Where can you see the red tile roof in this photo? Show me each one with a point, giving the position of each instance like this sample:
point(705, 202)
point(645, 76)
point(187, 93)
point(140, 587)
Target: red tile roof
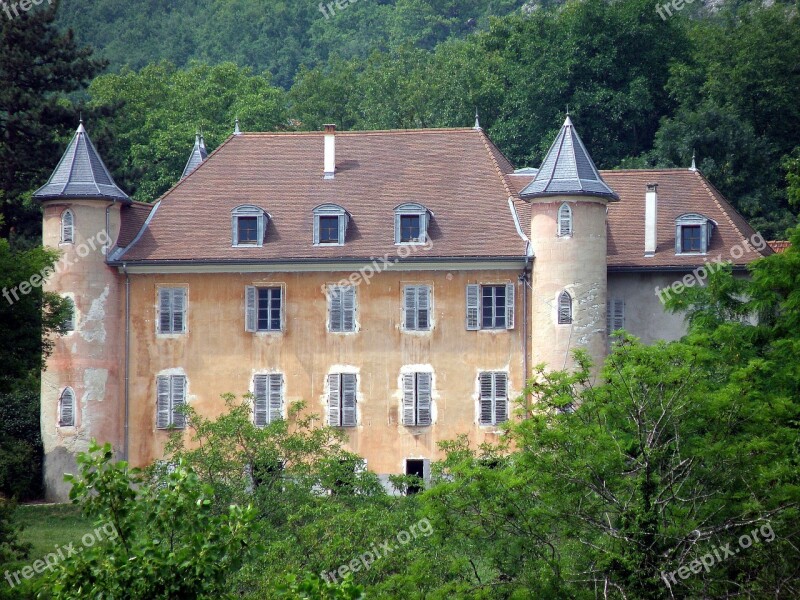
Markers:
point(133, 217)
point(779, 246)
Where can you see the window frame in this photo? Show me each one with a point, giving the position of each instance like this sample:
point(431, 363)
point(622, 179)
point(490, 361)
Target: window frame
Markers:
point(262, 221)
point(490, 401)
point(331, 210)
point(71, 323)
point(273, 398)
point(416, 298)
point(565, 217)
point(706, 232)
point(167, 384)
point(475, 306)
point(64, 227)
point(565, 309)
point(171, 291)
point(411, 209)
point(333, 290)
point(417, 399)
point(67, 391)
point(252, 307)
point(339, 414)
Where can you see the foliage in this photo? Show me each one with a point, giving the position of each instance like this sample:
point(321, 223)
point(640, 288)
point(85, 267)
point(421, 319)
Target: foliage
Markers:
point(312, 587)
point(11, 547)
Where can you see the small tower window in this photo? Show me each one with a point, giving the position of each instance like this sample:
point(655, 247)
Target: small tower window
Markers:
point(69, 320)
point(66, 408)
point(330, 225)
point(411, 224)
point(67, 227)
point(693, 234)
point(564, 308)
point(564, 220)
point(249, 224)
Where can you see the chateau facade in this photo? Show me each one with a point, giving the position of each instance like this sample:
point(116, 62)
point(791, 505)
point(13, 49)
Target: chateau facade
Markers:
point(402, 283)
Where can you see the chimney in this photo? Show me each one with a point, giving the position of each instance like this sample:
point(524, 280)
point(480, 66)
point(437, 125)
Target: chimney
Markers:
point(330, 151)
point(650, 219)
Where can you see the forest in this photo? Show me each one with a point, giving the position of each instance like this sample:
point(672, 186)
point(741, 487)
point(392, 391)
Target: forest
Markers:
point(584, 506)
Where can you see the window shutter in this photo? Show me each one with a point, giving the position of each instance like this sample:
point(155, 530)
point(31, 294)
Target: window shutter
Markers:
point(473, 306)
point(234, 230)
point(564, 308)
point(408, 399)
point(677, 239)
point(262, 228)
point(509, 306)
point(410, 307)
point(619, 314)
point(275, 397)
point(67, 409)
point(316, 229)
point(423, 307)
point(335, 308)
point(342, 228)
point(348, 308)
point(69, 322)
point(67, 227)
point(164, 310)
point(486, 393)
point(500, 397)
point(334, 406)
point(162, 402)
point(564, 220)
point(396, 228)
point(250, 308)
point(423, 398)
point(423, 227)
point(178, 310)
point(178, 399)
point(260, 401)
point(348, 399)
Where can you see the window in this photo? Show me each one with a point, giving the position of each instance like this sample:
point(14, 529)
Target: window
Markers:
point(249, 224)
point(615, 314)
point(171, 394)
point(411, 224)
point(172, 310)
point(67, 227)
point(69, 320)
point(416, 399)
point(693, 234)
point(417, 307)
point(493, 397)
point(490, 306)
point(341, 308)
point(564, 308)
point(564, 220)
point(342, 399)
point(66, 408)
point(419, 468)
point(263, 308)
point(330, 225)
point(268, 399)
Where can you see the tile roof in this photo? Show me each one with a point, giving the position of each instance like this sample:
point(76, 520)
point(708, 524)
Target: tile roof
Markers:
point(779, 246)
point(80, 174)
point(133, 218)
point(457, 174)
point(567, 169)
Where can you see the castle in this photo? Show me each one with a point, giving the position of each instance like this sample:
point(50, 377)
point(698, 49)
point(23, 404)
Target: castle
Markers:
point(402, 283)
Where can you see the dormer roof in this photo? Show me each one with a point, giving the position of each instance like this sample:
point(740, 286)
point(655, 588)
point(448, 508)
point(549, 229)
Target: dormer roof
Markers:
point(81, 174)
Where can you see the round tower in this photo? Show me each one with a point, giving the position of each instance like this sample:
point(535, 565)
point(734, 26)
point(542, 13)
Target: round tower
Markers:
point(568, 234)
point(81, 384)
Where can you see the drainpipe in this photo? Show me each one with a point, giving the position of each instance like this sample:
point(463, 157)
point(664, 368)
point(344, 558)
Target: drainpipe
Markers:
point(127, 352)
point(107, 244)
point(523, 277)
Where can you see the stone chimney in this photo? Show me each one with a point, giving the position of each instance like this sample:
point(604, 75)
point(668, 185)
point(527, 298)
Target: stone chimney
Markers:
point(330, 151)
point(650, 219)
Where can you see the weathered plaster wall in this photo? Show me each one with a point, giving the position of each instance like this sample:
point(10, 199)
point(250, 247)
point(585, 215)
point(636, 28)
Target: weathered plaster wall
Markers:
point(88, 359)
point(218, 356)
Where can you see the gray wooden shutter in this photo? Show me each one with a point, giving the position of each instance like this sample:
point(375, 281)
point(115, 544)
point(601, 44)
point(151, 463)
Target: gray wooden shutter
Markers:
point(423, 227)
point(410, 307)
point(396, 228)
point(178, 310)
point(335, 316)
point(500, 397)
point(69, 322)
point(349, 308)
point(486, 395)
point(473, 306)
point(509, 306)
point(342, 228)
point(348, 399)
point(67, 227)
point(678, 240)
point(178, 399)
point(275, 397)
point(316, 229)
point(615, 317)
point(67, 408)
point(423, 398)
point(234, 230)
point(564, 220)
point(334, 400)
point(564, 308)
point(260, 401)
point(162, 402)
point(423, 307)
point(408, 399)
point(262, 229)
point(250, 308)
point(164, 310)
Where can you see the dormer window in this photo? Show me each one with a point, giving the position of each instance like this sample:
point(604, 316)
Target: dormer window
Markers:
point(564, 221)
point(330, 225)
point(411, 224)
point(693, 234)
point(67, 227)
point(249, 224)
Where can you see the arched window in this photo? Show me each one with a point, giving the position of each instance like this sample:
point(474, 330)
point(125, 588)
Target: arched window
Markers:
point(67, 227)
point(564, 220)
point(564, 308)
point(693, 234)
point(249, 225)
point(69, 320)
point(66, 408)
point(330, 224)
point(411, 223)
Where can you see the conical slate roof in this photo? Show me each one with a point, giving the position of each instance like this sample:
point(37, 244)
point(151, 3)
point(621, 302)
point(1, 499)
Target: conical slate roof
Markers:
point(568, 170)
point(81, 174)
point(197, 156)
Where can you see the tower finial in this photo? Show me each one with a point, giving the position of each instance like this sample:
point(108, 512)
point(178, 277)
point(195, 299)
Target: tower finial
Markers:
point(477, 120)
point(694, 165)
point(236, 130)
point(567, 110)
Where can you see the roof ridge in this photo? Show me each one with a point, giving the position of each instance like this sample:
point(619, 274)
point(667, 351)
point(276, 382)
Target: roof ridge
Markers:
point(427, 130)
point(715, 195)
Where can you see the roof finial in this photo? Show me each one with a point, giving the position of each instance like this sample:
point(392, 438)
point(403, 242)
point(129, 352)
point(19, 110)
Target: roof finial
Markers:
point(477, 120)
point(694, 165)
point(236, 130)
point(80, 117)
point(567, 109)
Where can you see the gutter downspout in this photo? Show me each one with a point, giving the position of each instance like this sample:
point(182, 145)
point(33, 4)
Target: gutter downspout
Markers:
point(127, 354)
point(523, 277)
